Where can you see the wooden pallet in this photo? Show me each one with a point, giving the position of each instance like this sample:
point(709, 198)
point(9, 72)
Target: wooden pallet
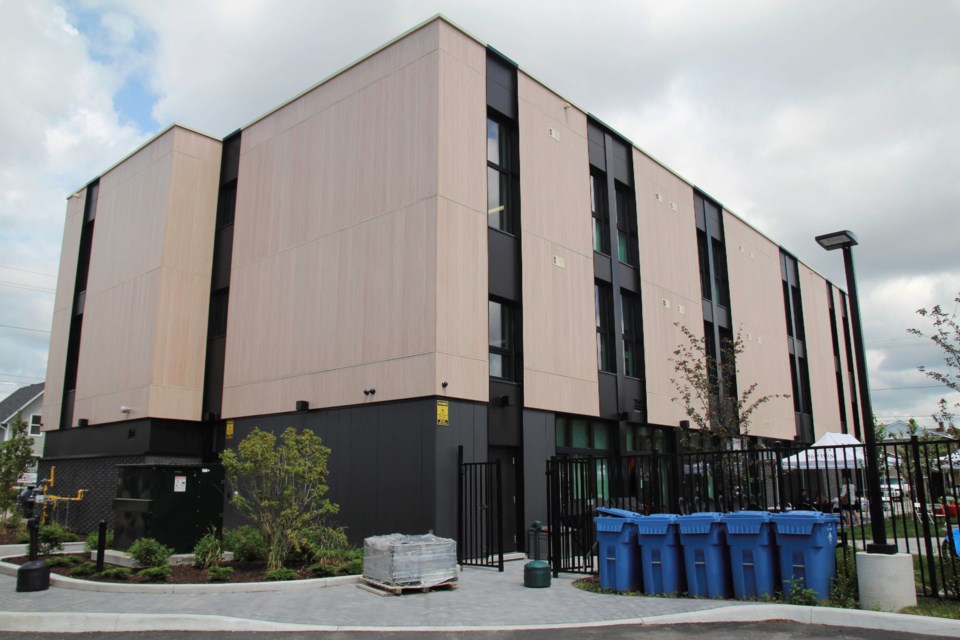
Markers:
point(384, 588)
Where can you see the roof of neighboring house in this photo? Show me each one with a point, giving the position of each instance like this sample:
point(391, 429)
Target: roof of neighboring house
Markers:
point(16, 401)
point(901, 430)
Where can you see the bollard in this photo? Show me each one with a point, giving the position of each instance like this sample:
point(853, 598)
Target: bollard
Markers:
point(101, 545)
point(536, 573)
point(35, 574)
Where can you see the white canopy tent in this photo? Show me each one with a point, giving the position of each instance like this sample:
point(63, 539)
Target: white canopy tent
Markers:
point(832, 451)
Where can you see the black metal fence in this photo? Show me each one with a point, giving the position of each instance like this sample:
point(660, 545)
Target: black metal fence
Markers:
point(920, 492)
point(480, 514)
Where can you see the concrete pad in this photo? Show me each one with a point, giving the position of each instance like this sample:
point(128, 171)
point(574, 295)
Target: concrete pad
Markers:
point(886, 582)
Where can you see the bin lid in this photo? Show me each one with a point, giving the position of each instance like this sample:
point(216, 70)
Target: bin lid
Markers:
point(802, 522)
point(746, 522)
point(619, 513)
point(657, 524)
point(612, 525)
point(699, 522)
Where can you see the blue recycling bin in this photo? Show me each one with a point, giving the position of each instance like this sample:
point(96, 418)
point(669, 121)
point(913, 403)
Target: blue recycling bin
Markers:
point(617, 549)
point(661, 555)
point(752, 541)
point(707, 562)
point(807, 542)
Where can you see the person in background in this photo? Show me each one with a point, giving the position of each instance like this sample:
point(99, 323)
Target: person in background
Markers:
point(848, 500)
point(804, 503)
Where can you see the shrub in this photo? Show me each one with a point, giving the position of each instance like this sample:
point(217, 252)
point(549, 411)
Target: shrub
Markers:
point(351, 568)
point(93, 539)
point(219, 574)
point(113, 573)
point(324, 545)
point(246, 543)
point(208, 551)
point(155, 574)
point(282, 573)
point(150, 553)
point(51, 538)
point(83, 569)
point(845, 592)
point(800, 594)
point(322, 570)
point(63, 561)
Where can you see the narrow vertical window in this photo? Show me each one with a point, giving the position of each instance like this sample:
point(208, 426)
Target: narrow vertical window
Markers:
point(601, 215)
point(628, 251)
point(721, 279)
point(499, 211)
point(502, 340)
point(704, 255)
point(632, 347)
point(603, 310)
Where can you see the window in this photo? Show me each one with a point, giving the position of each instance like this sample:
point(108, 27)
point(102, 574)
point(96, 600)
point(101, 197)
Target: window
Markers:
point(704, 256)
point(720, 277)
point(601, 215)
point(36, 422)
point(603, 310)
point(499, 210)
point(632, 344)
point(582, 433)
point(627, 241)
point(502, 319)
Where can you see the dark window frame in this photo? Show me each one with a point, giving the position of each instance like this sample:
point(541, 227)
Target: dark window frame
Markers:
point(603, 316)
point(631, 333)
point(507, 348)
point(627, 233)
point(600, 212)
point(504, 168)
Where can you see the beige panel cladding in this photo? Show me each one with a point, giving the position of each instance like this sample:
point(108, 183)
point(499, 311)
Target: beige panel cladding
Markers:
point(145, 316)
point(670, 278)
point(371, 153)
point(62, 311)
point(819, 345)
point(559, 333)
point(461, 272)
point(756, 298)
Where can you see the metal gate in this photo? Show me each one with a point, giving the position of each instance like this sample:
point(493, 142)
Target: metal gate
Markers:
point(571, 502)
point(480, 514)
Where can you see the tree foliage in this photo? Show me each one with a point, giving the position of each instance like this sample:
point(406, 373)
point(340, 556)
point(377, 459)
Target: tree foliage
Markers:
point(16, 452)
point(727, 415)
point(280, 487)
point(945, 333)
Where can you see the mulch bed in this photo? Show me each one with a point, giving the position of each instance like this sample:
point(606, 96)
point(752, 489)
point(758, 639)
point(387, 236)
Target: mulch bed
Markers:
point(181, 574)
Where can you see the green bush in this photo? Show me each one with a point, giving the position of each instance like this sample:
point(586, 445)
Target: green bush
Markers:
point(323, 544)
point(83, 569)
point(63, 561)
point(845, 592)
point(113, 573)
point(208, 551)
point(150, 553)
point(51, 538)
point(155, 574)
point(323, 570)
point(352, 568)
point(246, 543)
point(219, 574)
point(282, 573)
point(93, 539)
point(800, 594)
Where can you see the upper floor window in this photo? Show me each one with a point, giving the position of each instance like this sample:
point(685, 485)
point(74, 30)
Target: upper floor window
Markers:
point(502, 331)
point(632, 342)
point(500, 214)
point(600, 213)
point(36, 422)
point(603, 310)
point(628, 251)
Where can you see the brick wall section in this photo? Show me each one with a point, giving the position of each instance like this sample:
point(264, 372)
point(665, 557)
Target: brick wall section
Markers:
point(99, 477)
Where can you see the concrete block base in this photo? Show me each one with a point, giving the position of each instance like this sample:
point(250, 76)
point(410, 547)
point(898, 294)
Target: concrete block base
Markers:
point(886, 582)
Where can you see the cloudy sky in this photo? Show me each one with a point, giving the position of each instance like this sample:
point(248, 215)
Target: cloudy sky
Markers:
point(801, 117)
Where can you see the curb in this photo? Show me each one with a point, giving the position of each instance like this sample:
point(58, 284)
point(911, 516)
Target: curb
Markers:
point(65, 582)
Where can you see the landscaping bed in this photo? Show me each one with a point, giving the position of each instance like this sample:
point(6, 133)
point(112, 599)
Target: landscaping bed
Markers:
point(182, 573)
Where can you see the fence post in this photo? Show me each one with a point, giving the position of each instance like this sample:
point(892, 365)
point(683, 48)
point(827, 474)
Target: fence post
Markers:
point(924, 515)
point(499, 492)
point(460, 514)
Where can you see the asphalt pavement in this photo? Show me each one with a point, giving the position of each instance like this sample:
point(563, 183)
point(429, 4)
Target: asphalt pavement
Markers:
point(486, 601)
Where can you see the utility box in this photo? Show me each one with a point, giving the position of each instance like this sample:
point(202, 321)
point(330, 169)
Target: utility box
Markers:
point(174, 504)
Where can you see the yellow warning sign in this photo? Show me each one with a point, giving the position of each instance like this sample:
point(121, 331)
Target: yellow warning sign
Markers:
point(443, 413)
point(229, 429)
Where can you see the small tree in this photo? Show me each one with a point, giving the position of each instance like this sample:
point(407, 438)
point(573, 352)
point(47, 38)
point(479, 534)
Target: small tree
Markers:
point(707, 393)
point(946, 335)
point(16, 452)
point(280, 487)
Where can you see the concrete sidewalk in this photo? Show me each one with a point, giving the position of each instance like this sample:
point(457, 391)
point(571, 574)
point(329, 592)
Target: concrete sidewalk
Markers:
point(486, 600)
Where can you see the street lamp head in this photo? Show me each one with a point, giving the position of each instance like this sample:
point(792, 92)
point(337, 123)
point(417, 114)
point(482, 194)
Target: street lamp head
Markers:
point(837, 240)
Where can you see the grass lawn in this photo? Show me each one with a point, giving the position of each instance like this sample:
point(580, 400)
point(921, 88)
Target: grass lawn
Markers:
point(935, 608)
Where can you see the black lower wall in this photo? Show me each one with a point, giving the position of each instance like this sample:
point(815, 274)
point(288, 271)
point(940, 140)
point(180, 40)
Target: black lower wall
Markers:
point(392, 468)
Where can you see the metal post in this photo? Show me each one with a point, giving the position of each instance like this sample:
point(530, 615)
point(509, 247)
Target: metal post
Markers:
point(879, 532)
point(33, 524)
point(101, 545)
point(924, 514)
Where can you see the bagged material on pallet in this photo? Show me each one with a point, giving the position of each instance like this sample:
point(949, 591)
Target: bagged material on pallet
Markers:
point(410, 561)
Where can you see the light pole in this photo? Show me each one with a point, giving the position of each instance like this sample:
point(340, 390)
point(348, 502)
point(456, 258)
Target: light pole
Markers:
point(846, 240)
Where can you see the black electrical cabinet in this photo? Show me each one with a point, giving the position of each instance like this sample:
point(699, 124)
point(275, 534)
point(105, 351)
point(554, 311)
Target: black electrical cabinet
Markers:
point(174, 504)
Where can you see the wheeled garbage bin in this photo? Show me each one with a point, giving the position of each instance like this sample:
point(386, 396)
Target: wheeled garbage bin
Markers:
point(661, 555)
point(752, 541)
point(807, 542)
point(617, 549)
point(706, 560)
